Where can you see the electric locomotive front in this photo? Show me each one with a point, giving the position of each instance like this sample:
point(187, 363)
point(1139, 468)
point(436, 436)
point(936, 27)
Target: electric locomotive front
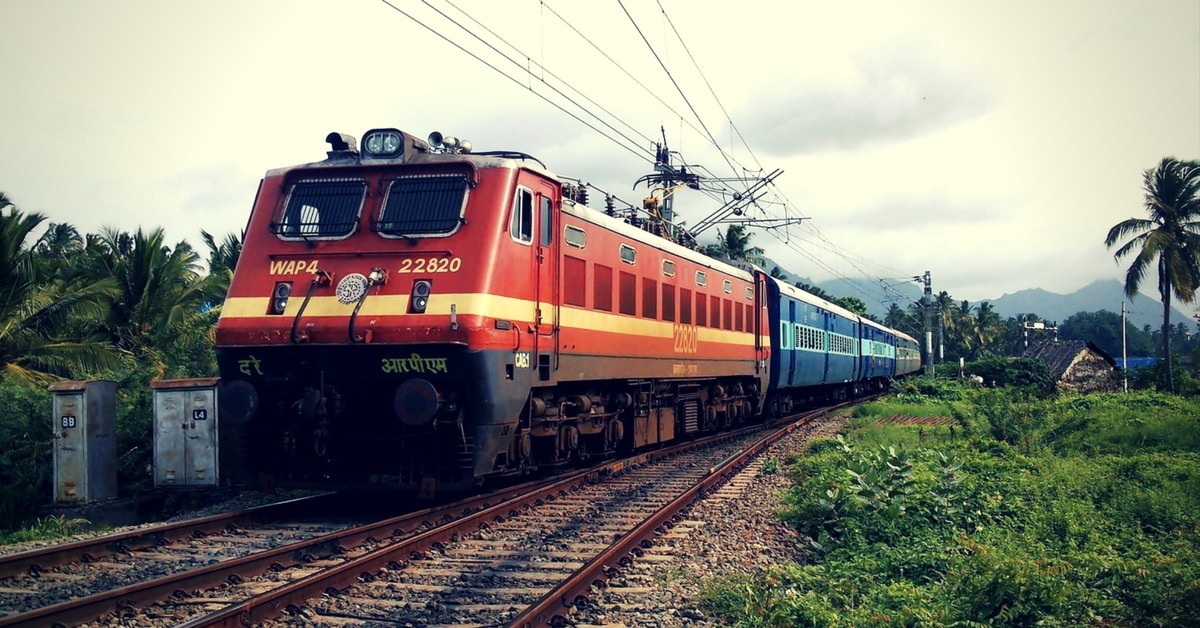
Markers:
point(371, 327)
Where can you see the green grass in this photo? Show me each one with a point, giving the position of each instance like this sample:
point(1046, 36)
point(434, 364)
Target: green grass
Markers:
point(47, 529)
point(1080, 512)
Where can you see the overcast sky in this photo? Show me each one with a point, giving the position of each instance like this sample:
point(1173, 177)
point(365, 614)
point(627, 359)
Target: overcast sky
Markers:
point(991, 143)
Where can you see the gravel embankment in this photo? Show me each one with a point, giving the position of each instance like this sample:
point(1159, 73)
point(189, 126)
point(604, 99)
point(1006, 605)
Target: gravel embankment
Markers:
point(734, 531)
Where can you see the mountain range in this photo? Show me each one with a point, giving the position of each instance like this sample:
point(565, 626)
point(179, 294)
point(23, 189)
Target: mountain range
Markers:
point(1102, 294)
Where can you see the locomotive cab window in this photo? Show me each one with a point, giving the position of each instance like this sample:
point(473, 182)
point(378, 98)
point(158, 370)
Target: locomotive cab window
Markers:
point(423, 206)
point(521, 226)
point(547, 229)
point(324, 209)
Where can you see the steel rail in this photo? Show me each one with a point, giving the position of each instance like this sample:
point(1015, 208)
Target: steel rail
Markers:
point(547, 611)
point(87, 550)
point(291, 597)
point(94, 606)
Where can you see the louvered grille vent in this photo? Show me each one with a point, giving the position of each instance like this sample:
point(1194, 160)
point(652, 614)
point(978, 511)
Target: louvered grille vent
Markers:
point(691, 416)
point(423, 206)
point(322, 209)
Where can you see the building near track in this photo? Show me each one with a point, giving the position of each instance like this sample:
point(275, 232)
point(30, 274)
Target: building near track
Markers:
point(1077, 366)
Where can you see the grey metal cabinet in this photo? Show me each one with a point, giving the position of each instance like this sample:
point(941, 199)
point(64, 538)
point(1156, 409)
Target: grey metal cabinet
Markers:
point(85, 419)
point(186, 447)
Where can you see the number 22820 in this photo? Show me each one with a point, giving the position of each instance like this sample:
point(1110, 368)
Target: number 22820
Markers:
point(430, 265)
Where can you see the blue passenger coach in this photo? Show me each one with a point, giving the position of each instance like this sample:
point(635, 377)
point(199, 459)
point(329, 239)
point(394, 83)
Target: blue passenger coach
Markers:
point(822, 351)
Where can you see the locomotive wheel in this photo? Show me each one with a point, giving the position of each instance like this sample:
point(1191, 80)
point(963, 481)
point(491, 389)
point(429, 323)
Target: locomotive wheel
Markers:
point(614, 434)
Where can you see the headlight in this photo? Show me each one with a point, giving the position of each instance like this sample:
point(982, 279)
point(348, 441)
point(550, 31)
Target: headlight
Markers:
point(383, 143)
point(279, 297)
point(421, 290)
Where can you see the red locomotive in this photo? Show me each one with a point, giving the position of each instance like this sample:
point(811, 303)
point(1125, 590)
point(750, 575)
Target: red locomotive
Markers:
point(416, 315)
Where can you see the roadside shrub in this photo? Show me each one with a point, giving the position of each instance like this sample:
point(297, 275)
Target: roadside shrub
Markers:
point(25, 454)
point(1030, 373)
point(1078, 512)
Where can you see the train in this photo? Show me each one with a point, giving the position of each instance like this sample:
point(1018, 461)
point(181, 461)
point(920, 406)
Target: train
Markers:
point(419, 316)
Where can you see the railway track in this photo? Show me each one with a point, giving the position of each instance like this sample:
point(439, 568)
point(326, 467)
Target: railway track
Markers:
point(523, 556)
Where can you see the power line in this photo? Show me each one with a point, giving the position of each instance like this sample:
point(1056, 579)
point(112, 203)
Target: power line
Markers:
point(707, 84)
point(677, 87)
point(556, 105)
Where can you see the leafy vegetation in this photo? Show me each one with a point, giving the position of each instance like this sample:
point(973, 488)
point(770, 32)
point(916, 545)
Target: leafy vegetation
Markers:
point(1167, 241)
point(113, 305)
point(1072, 511)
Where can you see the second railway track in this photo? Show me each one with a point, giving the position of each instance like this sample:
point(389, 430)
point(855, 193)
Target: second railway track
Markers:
point(519, 556)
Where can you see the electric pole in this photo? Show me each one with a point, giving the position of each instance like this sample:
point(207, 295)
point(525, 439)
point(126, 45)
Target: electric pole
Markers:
point(1124, 353)
point(927, 303)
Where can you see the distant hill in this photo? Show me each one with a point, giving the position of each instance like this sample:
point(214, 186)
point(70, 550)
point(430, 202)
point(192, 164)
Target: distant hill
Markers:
point(1103, 294)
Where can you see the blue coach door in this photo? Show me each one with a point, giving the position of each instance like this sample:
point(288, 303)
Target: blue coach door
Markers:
point(827, 326)
point(790, 334)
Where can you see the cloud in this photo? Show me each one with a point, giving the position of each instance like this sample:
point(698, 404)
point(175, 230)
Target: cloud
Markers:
point(892, 94)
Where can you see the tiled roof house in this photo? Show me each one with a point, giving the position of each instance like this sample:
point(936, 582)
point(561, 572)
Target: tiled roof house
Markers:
point(1077, 366)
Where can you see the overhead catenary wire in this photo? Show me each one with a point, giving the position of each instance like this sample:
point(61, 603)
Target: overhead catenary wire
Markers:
point(704, 78)
point(632, 147)
point(761, 201)
point(679, 89)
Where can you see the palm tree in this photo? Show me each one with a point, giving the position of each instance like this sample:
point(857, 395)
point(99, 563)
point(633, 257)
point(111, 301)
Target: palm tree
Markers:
point(735, 244)
point(896, 318)
point(987, 329)
point(222, 260)
point(41, 336)
point(1171, 235)
point(159, 287)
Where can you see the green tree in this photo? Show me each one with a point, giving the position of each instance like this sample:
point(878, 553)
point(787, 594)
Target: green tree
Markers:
point(1168, 241)
point(734, 244)
point(222, 261)
point(159, 287)
point(854, 304)
point(42, 333)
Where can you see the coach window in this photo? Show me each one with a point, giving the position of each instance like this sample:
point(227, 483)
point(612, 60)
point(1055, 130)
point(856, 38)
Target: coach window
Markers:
point(628, 254)
point(521, 228)
point(576, 237)
point(668, 268)
point(701, 278)
point(749, 294)
point(727, 286)
point(547, 220)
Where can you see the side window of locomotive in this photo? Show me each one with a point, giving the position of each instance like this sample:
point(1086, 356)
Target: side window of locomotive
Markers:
point(325, 209)
point(521, 227)
point(628, 254)
point(423, 206)
point(547, 226)
point(576, 237)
